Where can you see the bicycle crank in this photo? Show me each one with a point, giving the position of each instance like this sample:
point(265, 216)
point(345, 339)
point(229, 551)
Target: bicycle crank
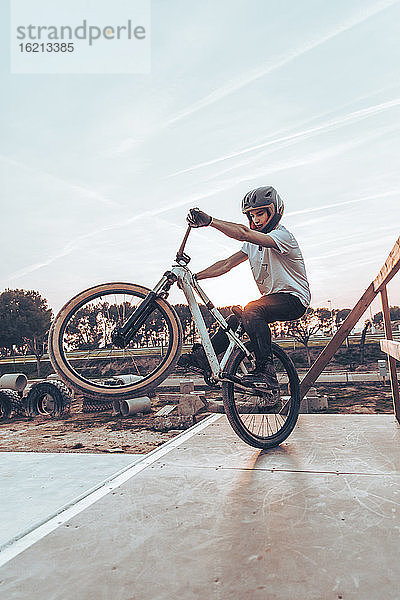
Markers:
point(256, 389)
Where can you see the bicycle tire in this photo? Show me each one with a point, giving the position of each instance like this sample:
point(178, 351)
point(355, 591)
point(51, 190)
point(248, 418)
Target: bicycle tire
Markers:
point(265, 427)
point(99, 388)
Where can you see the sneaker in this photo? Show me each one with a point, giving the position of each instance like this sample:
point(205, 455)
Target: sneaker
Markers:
point(262, 376)
point(196, 359)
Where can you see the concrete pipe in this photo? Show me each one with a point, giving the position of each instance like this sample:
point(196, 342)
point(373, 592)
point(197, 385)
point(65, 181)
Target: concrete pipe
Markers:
point(135, 405)
point(126, 379)
point(13, 381)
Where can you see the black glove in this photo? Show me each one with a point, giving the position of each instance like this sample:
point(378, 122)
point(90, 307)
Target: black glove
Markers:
point(198, 218)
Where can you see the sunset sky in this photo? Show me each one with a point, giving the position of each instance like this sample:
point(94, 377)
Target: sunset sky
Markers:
point(99, 171)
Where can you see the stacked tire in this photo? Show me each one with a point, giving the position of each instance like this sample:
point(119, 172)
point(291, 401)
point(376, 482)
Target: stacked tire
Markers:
point(48, 399)
point(10, 402)
point(90, 406)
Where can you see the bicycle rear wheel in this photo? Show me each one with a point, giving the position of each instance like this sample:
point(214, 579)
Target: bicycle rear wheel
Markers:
point(83, 354)
point(254, 418)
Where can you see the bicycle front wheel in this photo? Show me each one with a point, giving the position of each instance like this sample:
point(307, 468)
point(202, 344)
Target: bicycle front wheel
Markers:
point(263, 420)
point(83, 354)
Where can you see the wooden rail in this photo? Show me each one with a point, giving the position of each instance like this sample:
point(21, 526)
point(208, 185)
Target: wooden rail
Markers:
point(392, 361)
point(388, 271)
point(390, 347)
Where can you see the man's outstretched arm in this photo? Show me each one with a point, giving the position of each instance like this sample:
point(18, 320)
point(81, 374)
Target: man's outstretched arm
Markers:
point(243, 233)
point(198, 218)
point(222, 266)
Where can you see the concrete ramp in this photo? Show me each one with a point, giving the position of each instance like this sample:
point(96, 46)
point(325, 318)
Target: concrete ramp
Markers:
point(206, 517)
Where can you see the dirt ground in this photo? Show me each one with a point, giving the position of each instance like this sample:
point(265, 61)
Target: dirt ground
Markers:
point(94, 432)
point(364, 398)
point(90, 433)
point(102, 432)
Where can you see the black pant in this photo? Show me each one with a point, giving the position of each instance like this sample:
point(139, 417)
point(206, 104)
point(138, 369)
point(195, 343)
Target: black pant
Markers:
point(256, 316)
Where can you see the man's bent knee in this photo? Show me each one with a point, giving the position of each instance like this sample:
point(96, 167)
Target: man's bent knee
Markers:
point(252, 311)
point(252, 307)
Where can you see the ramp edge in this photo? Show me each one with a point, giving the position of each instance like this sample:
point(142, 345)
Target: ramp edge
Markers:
point(38, 531)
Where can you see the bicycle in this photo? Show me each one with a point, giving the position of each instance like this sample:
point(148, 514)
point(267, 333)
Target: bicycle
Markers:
point(121, 340)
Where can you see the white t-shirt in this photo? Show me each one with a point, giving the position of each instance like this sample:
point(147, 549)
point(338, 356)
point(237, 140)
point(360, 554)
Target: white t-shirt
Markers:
point(280, 270)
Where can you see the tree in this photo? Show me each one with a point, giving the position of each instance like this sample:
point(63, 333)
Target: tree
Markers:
point(394, 315)
point(326, 317)
point(308, 325)
point(341, 315)
point(24, 322)
point(185, 316)
point(367, 325)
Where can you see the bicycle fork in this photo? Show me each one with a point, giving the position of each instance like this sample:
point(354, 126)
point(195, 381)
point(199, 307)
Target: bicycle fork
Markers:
point(123, 334)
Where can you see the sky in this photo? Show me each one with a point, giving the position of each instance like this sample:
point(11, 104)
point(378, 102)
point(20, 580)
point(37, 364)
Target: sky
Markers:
point(98, 171)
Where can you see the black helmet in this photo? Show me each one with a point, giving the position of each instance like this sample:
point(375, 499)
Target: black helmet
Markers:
point(263, 197)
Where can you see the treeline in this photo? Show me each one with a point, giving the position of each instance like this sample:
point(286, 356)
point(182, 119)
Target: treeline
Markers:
point(25, 319)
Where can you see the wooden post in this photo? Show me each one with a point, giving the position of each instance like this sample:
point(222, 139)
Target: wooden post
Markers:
point(339, 337)
point(389, 270)
point(392, 361)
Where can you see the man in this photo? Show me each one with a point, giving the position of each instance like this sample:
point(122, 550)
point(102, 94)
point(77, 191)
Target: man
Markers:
point(278, 269)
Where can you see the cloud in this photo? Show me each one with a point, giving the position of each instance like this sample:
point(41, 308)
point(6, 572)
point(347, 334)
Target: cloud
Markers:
point(123, 146)
point(353, 250)
point(288, 164)
point(335, 237)
point(302, 135)
point(75, 244)
point(240, 83)
point(336, 204)
point(78, 189)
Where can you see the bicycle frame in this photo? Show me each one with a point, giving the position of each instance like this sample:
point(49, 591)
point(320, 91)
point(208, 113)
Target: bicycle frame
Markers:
point(180, 273)
point(188, 284)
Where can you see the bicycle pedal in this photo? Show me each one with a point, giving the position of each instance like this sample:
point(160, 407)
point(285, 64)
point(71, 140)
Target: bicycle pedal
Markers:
point(251, 389)
point(267, 391)
point(258, 388)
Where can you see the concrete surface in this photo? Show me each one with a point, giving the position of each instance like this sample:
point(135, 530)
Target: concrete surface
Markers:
point(209, 517)
point(34, 485)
